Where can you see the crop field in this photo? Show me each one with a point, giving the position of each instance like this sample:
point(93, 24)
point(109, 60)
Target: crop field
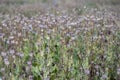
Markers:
point(60, 42)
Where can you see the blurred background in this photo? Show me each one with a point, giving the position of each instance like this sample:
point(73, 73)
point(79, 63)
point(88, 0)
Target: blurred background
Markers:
point(33, 6)
point(78, 41)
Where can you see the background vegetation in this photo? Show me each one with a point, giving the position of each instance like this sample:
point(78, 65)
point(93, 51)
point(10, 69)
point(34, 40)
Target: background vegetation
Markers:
point(59, 40)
